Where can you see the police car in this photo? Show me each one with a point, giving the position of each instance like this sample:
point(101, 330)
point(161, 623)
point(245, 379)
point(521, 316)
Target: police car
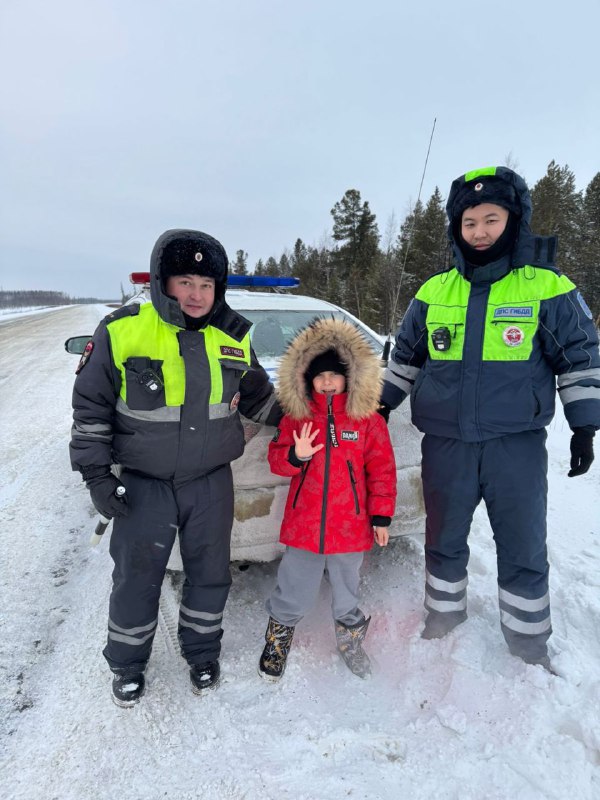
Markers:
point(277, 316)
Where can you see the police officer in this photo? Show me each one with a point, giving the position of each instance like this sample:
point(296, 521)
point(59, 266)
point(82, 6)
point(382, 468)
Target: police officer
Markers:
point(479, 350)
point(159, 392)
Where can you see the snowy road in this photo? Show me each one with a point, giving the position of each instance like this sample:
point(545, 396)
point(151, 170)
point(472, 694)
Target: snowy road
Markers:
point(457, 718)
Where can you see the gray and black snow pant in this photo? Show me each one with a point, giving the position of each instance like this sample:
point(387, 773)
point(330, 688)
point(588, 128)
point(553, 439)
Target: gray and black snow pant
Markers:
point(201, 511)
point(510, 474)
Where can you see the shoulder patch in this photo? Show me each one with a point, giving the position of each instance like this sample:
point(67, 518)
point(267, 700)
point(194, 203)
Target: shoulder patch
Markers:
point(85, 356)
point(584, 306)
point(131, 310)
point(277, 435)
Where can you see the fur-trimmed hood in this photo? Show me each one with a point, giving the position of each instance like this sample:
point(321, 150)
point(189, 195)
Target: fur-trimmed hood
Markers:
point(364, 378)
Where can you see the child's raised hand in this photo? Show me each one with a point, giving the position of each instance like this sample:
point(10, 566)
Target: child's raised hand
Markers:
point(382, 536)
point(304, 443)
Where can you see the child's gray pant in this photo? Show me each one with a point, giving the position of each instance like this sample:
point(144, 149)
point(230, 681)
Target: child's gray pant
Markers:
point(299, 579)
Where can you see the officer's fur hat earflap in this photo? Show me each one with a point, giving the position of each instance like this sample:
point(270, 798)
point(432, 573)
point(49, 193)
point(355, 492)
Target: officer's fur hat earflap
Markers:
point(187, 252)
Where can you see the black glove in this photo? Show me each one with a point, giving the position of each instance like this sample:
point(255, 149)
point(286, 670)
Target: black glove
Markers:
point(107, 492)
point(582, 450)
point(384, 410)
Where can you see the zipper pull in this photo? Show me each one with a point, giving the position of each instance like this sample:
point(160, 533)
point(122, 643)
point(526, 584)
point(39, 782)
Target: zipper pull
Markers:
point(331, 421)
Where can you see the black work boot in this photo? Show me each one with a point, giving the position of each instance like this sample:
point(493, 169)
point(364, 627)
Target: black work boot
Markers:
point(439, 623)
point(278, 640)
point(349, 642)
point(204, 676)
point(531, 649)
point(542, 661)
point(127, 688)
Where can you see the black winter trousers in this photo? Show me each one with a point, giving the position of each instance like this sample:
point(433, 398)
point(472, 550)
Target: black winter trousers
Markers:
point(201, 511)
point(510, 474)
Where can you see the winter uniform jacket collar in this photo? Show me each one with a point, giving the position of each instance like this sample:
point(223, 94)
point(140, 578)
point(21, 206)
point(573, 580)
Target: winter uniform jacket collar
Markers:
point(489, 273)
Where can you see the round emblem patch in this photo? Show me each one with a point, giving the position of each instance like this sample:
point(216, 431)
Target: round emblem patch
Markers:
point(198, 256)
point(478, 187)
point(513, 336)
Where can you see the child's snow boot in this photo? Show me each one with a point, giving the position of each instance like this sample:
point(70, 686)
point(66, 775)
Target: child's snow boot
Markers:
point(349, 642)
point(278, 640)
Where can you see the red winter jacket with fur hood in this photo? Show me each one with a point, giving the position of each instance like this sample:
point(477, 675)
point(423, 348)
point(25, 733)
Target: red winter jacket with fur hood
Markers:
point(352, 478)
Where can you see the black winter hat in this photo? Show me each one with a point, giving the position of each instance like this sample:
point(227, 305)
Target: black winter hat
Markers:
point(329, 361)
point(188, 252)
point(485, 189)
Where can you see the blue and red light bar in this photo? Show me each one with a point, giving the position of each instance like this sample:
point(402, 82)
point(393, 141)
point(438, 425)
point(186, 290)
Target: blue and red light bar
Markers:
point(232, 280)
point(261, 280)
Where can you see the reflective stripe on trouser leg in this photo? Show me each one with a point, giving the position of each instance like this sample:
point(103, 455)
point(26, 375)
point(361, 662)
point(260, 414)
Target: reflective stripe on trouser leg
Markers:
point(206, 517)
point(450, 472)
point(514, 478)
point(140, 545)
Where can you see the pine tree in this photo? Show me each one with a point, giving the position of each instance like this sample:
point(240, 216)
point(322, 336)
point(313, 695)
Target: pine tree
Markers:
point(589, 281)
point(272, 267)
point(558, 209)
point(240, 265)
point(357, 259)
point(430, 237)
point(285, 266)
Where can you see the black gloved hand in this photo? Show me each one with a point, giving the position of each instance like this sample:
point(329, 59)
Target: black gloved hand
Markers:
point(107, 492)
point(582, 450)
point(384, 411)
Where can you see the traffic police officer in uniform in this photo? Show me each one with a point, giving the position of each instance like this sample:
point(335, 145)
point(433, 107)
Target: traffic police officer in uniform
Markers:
point(159, 393)
point(479, 351)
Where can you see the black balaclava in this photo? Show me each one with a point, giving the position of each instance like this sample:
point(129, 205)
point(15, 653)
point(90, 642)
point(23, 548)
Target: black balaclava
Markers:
point(502, 246)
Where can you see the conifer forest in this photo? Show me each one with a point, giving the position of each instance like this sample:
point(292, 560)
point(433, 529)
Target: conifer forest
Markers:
point(374, 273)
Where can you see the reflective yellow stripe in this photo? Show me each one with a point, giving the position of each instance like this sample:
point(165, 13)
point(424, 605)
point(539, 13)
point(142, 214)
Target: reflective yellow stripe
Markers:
point(478, 173)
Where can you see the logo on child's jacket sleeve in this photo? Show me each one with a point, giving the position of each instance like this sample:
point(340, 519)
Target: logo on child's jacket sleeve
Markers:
point(277, 435)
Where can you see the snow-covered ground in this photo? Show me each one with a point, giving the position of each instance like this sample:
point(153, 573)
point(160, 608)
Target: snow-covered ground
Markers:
point(456, 718)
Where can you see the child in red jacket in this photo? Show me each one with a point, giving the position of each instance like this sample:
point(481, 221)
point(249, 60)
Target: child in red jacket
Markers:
point(336, 449)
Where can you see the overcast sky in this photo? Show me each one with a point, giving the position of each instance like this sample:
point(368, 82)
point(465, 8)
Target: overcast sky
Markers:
point(249, 120)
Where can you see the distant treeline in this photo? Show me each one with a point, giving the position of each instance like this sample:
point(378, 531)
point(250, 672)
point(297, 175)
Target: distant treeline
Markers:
point(375, 276)
point(39, 297)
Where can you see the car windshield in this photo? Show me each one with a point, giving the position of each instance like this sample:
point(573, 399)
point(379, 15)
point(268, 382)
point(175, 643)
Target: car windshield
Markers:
point(273, 329)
